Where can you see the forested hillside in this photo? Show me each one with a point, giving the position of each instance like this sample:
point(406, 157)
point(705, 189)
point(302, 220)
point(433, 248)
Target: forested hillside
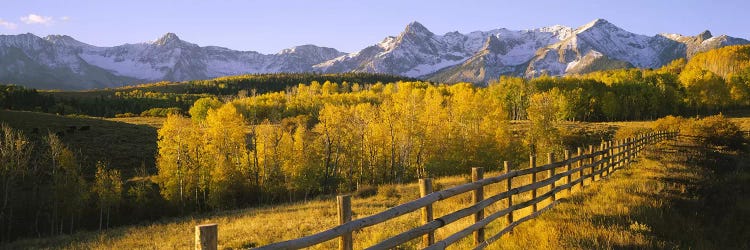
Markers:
point(161, 98)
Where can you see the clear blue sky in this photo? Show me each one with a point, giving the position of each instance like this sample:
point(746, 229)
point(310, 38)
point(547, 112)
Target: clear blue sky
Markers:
point(269, 26)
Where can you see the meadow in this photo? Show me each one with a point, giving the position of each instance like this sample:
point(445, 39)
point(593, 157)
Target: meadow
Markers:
point(125, 143)
point(658, 202)
point(250, 151)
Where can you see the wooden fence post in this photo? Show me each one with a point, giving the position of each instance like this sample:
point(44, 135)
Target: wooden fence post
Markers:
point(631, 149)
point(581, 162)
point(639, 145)
point(508, 187)
point(550, 173)
point(592, 159)
point(568, 167)
point(206, 237)
point(344, 204)
point(478, 174)
point(622, 152)
point(532, 165)
point(425, 188)
point(610, 158)
point(605, 159)
point(627, 150)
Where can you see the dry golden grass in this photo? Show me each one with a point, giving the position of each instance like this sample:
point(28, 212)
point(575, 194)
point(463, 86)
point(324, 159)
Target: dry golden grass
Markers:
point(154, 122)
point(261, 226)
point(666, 200)
point(622, 211)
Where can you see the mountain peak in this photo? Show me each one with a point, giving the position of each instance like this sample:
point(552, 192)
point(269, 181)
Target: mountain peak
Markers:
point(416, 28)
point(705, 35)
point(599, 22)
point(167, 39)
point(64, 40)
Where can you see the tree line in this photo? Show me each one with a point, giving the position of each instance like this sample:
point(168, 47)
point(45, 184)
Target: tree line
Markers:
point(135, 100)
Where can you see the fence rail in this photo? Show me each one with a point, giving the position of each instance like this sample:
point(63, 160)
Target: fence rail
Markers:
point(586, 166)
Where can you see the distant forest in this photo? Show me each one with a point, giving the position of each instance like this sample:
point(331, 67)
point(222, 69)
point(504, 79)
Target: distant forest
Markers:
point(157, 97)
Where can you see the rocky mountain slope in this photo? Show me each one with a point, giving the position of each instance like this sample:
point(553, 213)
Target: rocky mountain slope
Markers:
point(598, 45)
point(62, 62)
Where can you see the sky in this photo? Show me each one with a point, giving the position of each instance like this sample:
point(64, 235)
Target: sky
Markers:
point(270, 26)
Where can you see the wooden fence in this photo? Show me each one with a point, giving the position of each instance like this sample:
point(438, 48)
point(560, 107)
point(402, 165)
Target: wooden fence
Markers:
point(586, 165)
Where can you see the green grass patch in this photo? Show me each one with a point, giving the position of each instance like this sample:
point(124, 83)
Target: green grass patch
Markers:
point(123, 145)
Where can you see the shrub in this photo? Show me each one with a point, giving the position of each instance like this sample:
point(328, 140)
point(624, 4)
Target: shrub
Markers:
point(715, 130)
point(388, 191)
point(669, 123)
point(365, 191)
point(161, 112)
point(128, 114)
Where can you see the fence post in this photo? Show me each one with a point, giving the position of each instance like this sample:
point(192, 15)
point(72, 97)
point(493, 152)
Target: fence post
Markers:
point(568, 167)
point(425, 188)
point(628, 155)
point(478, 174)
point(612, 151)
point(550, 173)
point(591, 161)
point(619, 152)
point(580, 166)
point(651, 137)
point(206, 237)
point(532, 164)
point(605, 158)
point(637, 146)
point(344, 204)
point(508, 187)
point(622, 153)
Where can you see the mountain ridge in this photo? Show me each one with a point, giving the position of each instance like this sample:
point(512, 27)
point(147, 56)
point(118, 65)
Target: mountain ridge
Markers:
point(61, 61)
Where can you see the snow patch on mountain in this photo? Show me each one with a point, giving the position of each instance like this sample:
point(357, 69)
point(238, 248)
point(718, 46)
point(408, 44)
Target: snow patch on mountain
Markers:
point(477, 56)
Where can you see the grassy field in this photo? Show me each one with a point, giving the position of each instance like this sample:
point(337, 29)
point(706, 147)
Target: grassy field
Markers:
point(635, 208)
point(671, 199)
point(154, 122)
point(124, 143)
point(638, 207)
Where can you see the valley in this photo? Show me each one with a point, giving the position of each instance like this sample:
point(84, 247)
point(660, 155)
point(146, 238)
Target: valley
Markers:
point(374, 125)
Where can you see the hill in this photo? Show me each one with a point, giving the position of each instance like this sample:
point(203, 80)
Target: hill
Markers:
point(123, 145)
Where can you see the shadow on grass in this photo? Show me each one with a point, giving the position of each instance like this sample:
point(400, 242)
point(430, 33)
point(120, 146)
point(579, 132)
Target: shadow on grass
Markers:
point(706, 202)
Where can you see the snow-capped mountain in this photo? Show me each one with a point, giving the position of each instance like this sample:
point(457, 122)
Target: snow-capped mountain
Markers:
point(504, 53)
point(415, 52)
point(598, 45)
point(50, 63)
point(59, 61)
point(601, 45)
point(704, 41)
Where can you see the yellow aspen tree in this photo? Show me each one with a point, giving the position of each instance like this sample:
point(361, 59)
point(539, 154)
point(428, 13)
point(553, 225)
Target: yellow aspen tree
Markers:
point(225, 137)
point(176, 138)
